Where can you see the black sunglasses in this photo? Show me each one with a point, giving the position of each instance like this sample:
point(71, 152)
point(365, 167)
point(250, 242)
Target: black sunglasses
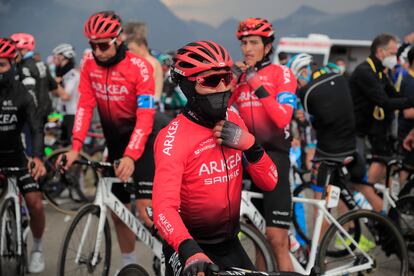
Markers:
point(103, 46)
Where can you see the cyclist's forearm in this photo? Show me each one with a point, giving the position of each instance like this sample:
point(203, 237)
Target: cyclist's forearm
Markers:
point(263, 171)
point(140, 134)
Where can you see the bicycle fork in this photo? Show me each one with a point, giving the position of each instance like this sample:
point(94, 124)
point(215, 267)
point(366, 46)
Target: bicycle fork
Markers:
point(99, 236)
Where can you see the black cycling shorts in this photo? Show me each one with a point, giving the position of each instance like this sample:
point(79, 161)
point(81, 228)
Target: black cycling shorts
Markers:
point(226, 254)
point(143, 177)
point(144, 167)
point(25, 181)
point(276, 206)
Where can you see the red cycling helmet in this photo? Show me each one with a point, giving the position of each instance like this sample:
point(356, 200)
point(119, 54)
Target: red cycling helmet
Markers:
point(255, 26)
point(200, 56)
point(7, 48)
point(24, 41)
point(106, 24)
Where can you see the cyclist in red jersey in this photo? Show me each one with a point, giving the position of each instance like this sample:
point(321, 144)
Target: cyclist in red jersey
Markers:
point(198, 157)
point(265, 98)
point(121, 85)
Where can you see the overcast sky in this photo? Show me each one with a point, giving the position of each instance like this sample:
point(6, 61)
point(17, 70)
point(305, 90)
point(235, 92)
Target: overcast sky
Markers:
point(215, 11)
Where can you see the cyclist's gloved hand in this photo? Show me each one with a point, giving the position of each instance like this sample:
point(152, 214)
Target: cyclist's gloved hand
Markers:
point(233, 136)
point(197, 263)
point(36, 168)
point(236, 70)
point(125, 168)
point(253, 78)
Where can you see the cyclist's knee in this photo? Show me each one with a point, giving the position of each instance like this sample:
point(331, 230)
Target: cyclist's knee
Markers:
point(278, 238)
point(35, 205)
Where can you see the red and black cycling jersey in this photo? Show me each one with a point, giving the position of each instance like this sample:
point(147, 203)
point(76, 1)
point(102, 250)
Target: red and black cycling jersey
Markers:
point(124, 94)
point(18, 108)
point(197, 183)
point(268, 117)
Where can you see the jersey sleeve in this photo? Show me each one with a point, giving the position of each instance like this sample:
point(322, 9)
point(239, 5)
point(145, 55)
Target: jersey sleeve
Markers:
point(84, 112)
point(28, 79)
point(280, 107)
point(52, 84)
point(35, 123)
point(169, 169)
point(263, 173)
point(262, 170)
point(145, 89)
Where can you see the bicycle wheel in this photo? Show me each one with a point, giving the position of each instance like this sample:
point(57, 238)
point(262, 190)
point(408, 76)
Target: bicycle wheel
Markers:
point(72, 190)
point(303, 218)
point(380, 239)
point(403, 216)
point(256, 247)
point(11, 263)
point(133, 270)
point(67, 262)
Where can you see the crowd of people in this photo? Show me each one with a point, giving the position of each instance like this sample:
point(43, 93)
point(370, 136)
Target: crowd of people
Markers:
point(185, 125)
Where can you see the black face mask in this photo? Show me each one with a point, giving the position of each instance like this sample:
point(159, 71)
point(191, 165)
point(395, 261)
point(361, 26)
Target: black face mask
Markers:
point(120, 55)
point(62, 70)
point(205, 110)
point(7, 77)
point(214, 105)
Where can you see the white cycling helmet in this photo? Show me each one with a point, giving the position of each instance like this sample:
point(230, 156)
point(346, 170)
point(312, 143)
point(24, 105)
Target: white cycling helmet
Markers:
point(299, 61)
point(65, 49)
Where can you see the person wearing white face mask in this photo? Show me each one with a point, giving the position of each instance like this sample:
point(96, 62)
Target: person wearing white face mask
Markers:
point(375, 100)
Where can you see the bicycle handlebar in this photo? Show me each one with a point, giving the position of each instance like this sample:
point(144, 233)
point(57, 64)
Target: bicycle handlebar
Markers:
point(214, 269)
point(14, 169)
point(95, 164)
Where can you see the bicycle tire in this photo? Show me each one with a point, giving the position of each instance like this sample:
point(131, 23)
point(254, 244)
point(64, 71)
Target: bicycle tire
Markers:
point(251, 240)
point(385, 238)
point(8, 216)
point(133, 270)
point(297, 217)
point(403, 216)
point(87, 210)
point(75, 198)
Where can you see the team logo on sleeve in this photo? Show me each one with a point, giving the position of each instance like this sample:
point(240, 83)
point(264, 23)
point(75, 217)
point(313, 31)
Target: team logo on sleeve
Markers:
point(143, 69)
point(170, 137)
point(145, 101)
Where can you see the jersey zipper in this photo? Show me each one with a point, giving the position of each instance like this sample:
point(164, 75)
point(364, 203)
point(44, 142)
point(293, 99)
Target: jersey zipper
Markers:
point(107, 94)
point(228, 187)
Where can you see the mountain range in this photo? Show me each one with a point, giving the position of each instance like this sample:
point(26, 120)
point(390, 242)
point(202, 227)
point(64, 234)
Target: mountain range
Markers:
point(56, 21)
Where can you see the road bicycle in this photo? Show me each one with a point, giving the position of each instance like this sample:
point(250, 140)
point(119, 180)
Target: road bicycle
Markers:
point(87, 244)
point(340, 251)
point(14, 226)
point(399, 207)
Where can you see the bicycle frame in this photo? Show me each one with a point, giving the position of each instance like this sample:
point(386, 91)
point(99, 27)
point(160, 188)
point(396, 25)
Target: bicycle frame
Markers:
point(249, 210)
point(106, 199)
point(13, 192)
